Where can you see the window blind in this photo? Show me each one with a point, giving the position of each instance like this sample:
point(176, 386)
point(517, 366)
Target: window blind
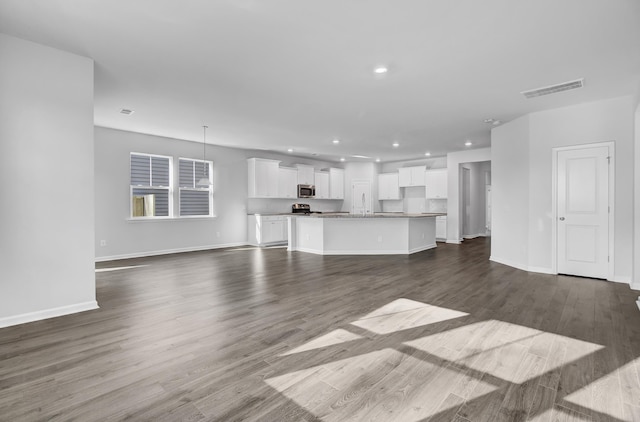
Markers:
point(194, 199)
point(150, 185)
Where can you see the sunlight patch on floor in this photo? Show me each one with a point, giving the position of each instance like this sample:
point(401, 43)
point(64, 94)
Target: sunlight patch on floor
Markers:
point(403, 314)
point(351, 388)
point(334, 337)
point(500, 342)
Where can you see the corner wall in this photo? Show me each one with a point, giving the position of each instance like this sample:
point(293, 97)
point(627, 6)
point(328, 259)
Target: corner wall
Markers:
point(522, 177)
point(46, 169)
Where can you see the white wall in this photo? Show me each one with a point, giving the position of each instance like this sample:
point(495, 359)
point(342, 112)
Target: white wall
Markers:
point(510, 193)
point(128, 238)
point(513, 142)
point(454, 160)
point(636, 215)
point(46, 173)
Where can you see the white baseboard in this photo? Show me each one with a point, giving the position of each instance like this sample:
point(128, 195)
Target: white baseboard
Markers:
point(168, 251)
point(634, 286)
point(621, 279)
point(366, 252)
point(48, 313)
point(531, 269)
point(454, 241)
point(473, 236)
point(638, 302)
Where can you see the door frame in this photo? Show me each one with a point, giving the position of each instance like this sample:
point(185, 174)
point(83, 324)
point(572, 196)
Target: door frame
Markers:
point(554, 201)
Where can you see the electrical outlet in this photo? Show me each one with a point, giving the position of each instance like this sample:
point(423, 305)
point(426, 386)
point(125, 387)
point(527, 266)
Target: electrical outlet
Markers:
point(217, 234)
point(379, 239)
point(103, 243)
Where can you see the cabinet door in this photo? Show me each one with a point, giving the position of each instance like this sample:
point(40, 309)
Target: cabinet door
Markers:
point(388, 188)
point(287, 181)
point(417, 176)
point(336, 183)
point(322, 185)
point(305, 174)
point(436, 181)
point(404, 177)
point(263, 178)
point(441, 228)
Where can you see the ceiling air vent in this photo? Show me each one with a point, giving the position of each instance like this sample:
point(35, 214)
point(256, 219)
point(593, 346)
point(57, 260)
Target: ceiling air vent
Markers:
point(126, 111)
point(565, 86)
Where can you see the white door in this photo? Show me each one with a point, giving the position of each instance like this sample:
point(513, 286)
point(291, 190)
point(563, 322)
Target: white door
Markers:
point(583, 211)
point(361, 197)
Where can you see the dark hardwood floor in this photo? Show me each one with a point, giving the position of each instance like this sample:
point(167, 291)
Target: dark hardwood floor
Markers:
point(267, 335)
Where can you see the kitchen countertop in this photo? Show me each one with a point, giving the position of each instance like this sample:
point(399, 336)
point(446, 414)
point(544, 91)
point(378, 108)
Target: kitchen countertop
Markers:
point(348, 215)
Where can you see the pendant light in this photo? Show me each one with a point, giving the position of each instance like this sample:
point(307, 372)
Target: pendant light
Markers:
point(205, 181)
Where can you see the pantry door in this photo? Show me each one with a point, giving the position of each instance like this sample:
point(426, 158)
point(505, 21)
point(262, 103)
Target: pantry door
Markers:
point(583, 241)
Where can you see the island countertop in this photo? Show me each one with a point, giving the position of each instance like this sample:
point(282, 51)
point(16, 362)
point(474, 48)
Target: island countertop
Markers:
point(374, 215)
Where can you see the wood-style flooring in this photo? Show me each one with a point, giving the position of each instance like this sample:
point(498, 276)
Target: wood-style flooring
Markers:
point(252, 334)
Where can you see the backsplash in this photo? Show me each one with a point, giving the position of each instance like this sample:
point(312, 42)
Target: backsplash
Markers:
point(268, 206)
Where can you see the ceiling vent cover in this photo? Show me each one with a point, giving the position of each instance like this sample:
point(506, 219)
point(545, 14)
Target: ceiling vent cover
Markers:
point(565, 86)
point(126, 111)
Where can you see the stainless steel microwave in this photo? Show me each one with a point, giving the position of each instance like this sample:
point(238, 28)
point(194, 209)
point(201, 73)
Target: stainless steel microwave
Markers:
point(306, 191)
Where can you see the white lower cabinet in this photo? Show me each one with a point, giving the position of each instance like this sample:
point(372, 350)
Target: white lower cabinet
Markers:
point(266, 229)
point(441, 227)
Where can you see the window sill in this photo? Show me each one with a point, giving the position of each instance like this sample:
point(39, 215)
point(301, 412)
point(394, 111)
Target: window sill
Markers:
point(163, 219)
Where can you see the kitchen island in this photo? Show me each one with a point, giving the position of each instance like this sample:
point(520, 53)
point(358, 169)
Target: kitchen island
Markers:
point(355, 234)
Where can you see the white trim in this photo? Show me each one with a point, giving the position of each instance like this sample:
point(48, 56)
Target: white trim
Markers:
point(554, 203)
point(473, 236)
point(161, 219)
point(168, 251)
point(634, 286)
point(638, 302)
point(621, 279)
point(540, 270)
point(367, 252)
point(48, 313)
point(453, 241)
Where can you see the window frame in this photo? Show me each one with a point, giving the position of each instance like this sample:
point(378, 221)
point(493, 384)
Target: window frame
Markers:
point(169, 189)
point(209, 163)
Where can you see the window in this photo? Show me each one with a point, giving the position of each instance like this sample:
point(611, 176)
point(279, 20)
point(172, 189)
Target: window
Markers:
point(196, 199)
point(150, 185)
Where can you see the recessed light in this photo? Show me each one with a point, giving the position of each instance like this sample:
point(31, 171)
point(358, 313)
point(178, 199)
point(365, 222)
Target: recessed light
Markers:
point(395, 144)
point(496, 122)
point(377, 160)
point(360, 156)
point(427, 154)
point(336, 141)
point(488, 120)
point(127, 111)
point(342, 159)
point(380, 70)
point(290, 150)
point(468, 143)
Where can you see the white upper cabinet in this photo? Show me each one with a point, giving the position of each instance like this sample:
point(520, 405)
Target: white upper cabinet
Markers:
point(411, 176)
point(306, 174)
point(436, 183)
point(263, 178)
point(388, 186)
point(322, 185)
point(336, 183)
point(287, 182)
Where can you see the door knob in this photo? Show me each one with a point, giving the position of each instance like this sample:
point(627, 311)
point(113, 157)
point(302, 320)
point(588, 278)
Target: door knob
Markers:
point(561, 218)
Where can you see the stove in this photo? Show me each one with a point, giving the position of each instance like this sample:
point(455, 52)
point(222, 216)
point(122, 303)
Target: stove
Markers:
point(303, 209)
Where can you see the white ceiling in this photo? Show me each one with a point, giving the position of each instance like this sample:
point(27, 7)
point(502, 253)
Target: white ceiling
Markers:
point(279, 74)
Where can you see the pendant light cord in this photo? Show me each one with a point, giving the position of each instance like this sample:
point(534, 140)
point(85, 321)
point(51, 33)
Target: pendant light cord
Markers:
point(204, 149)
